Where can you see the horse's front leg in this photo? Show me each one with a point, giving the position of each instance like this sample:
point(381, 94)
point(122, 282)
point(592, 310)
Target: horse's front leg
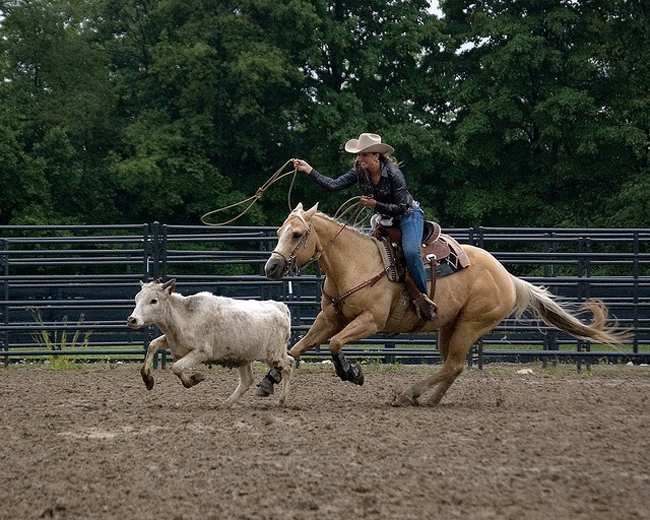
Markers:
point(361, 327)
point(325, 325)
point(160, 343)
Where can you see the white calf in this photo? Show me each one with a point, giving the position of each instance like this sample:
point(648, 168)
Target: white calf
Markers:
point(204, 328)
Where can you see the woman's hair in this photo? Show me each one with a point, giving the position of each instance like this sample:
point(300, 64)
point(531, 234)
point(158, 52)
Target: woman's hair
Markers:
point(385, 158)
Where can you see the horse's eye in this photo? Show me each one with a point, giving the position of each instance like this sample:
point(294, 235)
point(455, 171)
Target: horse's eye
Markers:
point(297, 235)
point(154, 301)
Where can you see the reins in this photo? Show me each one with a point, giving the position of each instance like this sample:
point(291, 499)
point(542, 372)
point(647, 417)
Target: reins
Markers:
point(258, 195)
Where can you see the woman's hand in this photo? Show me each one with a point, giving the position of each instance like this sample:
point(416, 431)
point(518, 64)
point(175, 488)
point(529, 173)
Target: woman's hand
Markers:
point(368, 201)
point(301, 166)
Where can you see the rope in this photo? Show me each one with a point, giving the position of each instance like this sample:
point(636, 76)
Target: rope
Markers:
point(258, 195)
point(351, 205)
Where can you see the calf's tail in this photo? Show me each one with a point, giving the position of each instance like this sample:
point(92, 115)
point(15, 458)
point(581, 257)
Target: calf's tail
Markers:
point(545, 307)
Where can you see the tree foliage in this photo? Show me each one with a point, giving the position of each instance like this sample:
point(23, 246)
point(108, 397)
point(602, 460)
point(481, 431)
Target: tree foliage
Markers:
point(518, 112)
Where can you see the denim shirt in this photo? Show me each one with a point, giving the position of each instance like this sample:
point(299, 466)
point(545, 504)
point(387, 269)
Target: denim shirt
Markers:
point(393, 199)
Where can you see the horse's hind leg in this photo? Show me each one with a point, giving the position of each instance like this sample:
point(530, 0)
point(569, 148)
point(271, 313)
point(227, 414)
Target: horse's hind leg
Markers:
point(444, 337)
point(459, 343)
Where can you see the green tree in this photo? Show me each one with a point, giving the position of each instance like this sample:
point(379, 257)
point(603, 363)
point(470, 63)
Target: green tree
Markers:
point(535, 129)
point(526, 112)
point(57, 108)
point(624, 60)
point(374, 66)
point(207, 87)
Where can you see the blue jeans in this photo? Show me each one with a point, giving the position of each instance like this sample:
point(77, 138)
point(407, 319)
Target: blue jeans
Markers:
point(412, 225)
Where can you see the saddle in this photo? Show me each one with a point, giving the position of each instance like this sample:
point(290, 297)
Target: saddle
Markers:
point(441, 255)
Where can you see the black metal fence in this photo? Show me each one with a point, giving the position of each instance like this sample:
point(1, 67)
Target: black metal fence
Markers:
point(67, 290)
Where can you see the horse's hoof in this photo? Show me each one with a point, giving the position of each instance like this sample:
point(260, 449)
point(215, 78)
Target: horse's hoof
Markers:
point(355, 375)
point(272, 377)
point(348, 371)
point(403, 400)
point(265, 388)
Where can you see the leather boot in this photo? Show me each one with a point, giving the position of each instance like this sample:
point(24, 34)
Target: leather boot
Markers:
point(272, 377)
point(347, 370)
point(425, 308)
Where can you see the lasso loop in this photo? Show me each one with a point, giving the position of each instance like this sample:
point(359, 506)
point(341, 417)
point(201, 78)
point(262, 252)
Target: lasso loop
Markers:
point(352, 205)
point(258, 195)
point(349, 206)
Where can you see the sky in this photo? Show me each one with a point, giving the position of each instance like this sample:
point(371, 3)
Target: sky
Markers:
point(434, 7)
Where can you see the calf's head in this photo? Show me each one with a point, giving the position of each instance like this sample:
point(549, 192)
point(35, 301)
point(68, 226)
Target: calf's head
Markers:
point(150, 303)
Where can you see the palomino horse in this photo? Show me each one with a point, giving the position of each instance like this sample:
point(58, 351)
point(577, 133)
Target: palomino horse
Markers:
point(470, 302)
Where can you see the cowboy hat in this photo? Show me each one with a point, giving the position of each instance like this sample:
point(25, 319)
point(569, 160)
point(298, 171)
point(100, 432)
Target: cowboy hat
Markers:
point(368, 143)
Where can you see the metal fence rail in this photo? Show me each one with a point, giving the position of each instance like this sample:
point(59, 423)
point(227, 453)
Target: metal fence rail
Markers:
point(67, 290)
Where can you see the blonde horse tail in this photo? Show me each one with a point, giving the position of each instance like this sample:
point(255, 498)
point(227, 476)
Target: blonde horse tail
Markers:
point(545, 307)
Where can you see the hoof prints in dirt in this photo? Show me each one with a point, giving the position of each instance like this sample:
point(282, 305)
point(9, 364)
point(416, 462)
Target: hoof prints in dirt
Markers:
point(95, 444)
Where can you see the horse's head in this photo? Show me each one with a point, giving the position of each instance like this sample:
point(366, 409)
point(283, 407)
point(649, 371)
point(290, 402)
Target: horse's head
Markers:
point(296, 243)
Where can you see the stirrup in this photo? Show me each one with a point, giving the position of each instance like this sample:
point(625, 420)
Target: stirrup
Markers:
point(425, 308)
point(431, 303)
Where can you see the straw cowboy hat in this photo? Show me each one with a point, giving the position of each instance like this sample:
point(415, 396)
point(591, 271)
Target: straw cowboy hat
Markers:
point(368, 143)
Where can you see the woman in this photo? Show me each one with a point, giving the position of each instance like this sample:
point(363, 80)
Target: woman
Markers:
point(384, 190)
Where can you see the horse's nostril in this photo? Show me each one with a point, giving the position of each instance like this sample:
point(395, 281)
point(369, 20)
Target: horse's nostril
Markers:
point(274, 270)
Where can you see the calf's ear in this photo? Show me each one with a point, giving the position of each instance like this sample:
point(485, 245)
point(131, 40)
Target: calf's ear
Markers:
point(170, 285)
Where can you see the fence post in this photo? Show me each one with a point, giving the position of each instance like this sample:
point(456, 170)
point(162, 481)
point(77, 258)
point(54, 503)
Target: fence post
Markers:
point(164, 251)
point(549, 249)
point(5, 294)
point(155, 250)
point(635, 293)
point(146, 252)
point(156, 254)
point(389, 359)
point(550, 340)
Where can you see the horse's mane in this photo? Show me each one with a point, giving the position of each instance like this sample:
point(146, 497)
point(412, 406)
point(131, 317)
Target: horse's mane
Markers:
point(357, 229)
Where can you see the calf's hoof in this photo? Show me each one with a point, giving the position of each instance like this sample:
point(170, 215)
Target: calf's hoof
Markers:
point(194, 379)
point(148, 380)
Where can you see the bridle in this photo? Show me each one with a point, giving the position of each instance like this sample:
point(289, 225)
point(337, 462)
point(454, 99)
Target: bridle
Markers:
point(290, 261)
point(336, 302)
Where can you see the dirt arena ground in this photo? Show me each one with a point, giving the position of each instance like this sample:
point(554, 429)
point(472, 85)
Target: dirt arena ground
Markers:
point(93, 443)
